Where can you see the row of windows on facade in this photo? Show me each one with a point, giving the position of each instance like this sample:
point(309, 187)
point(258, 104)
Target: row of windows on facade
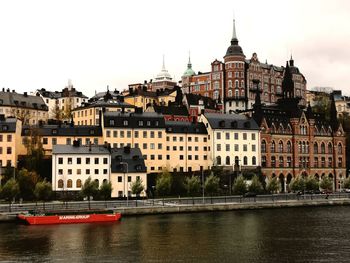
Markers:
point(8, 163)
point(79, 171)
point(303, 147)
point(78, 183)
point(8, 150)
point(236, 160)
point(168, 157)
point(78, 160)
point(8, 136)
point(303, 162)
point(140, 123)
point(235, 136)
point(236, 147)
point(69, 141)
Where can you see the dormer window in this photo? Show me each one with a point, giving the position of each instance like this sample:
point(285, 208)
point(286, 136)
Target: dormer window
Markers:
point(92, 132)
point(157, 123)
point(148, 123)
point(140, 123)
point(111, 122)
point(222, 123)
point(125, 123)
point(54, 131)
point(5, 127)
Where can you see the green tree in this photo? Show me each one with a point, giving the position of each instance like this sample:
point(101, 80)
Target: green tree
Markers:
point(346, 183)
point(239, 186)
point(273, 186)
point(10, 190)
point(193, 186)
point(326, 183)
point(297, 184)
point(255, 186)
point(90, 188)
point(33, 161)
point(137, 187)
point(57, 113)
point(43, 191)
point(311, 184)
point(163, 184)
point(211, 185)
point(27, 181)
point(106, 191)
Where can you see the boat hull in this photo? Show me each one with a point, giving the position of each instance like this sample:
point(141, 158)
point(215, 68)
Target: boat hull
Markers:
point(69, 219)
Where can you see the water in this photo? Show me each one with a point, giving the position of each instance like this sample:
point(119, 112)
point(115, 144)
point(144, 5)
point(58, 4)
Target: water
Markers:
point(279, 235)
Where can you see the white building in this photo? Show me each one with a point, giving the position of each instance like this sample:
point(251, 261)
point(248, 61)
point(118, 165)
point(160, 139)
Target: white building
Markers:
point(73, 164)
point(234, 140)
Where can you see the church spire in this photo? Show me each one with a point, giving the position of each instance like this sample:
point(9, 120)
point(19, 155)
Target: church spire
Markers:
point(163, 67)
point(189, 65)
point(287, 83)
point(234, 39)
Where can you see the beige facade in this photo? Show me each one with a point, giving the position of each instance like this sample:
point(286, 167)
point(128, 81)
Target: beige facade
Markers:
point(10, 141)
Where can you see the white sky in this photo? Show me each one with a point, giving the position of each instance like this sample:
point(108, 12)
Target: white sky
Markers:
point(115, 43)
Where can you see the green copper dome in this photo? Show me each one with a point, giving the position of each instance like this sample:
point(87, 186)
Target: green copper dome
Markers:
point(189, 71)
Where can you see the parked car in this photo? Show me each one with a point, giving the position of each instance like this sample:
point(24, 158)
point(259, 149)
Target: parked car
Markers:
point(250, 194)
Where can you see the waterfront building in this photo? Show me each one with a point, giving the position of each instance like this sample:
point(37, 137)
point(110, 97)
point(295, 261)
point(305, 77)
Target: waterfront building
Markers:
point(233, 140)
point(89, 112)
point(66, 100)
point(298, 142)
point(232, 81)
point(10, 140)
point(62, 134)
point(127, 166)
point(27, 108)
point(73, 164)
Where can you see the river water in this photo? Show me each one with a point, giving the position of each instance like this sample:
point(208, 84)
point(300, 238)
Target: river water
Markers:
point(276, 235)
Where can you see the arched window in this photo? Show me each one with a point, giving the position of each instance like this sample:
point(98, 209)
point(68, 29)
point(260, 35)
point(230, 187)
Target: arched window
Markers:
point(330, 148)
point(236, 84)
point(289, 147)
point(323, 148)
point(236, 160)
point(97, 182)
point(242, 84)
point(60, 183)
point(242, 92)
point(245, 160)
point(263, 161)
point(307, 147)
point(218, 160)
point(69, 183)
point(273, 161)
point(340, 148)
point(236, 92)
point(253, 160)
point(273, 146)
point(230, 84)
point(229, 93)
point(227, 160)
point(216, 95)
point(315, 147)
point(78, 183)
point(263, 146)
point(280, 147)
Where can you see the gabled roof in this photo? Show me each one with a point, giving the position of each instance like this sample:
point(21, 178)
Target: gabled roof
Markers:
point(132, 156)
point(231, 121)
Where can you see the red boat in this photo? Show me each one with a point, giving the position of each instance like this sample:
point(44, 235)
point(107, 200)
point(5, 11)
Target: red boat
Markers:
point(69, 219)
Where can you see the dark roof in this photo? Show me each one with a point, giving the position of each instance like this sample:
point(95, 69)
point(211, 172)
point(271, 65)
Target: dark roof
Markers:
point(14, 99)
point(82, 149)
point(100, 95)
point(231, 121)
point(171, 109)
point(66, 92)
point(185, 127)
point(112, 103)
point(132, 156)
point(64, 130)
point(193, 99)
point(7, 125)
point(142, 92)
point(134, 120)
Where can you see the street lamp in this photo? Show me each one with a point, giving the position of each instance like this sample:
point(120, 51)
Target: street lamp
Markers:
point(127, 194)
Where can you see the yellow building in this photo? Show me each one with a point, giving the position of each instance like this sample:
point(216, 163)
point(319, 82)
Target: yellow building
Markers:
point(10, 139)
point(29, 109)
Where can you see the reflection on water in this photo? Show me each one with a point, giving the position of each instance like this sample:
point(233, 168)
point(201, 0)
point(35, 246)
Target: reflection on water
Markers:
point(280, 235)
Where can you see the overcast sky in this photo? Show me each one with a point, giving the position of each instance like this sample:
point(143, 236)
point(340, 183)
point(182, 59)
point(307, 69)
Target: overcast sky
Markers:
point(115, 43)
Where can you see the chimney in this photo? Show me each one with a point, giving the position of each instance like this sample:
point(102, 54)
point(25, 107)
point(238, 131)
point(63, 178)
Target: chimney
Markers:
point(89, 146)
point(25, 94)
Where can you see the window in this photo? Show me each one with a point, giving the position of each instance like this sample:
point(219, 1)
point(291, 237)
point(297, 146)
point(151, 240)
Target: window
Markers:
point(87, 171)
point(340, 162)
point(273, 147)
point(96, 171)
point(45, 140)
point(227, 160)
point(78, 183)
point(60, 171)
point(128, 134)
point(280, 147)
point(78, 160)
point(263, 161)
point(152, 134)
point(218, 160)
point(54, 141)
point(108, 133)
point(70, 161)
point(97, 160)
point(136, 134)
point(236, 147)
point(122, 134)
point(280, 161)
point(245, 148)
point(181, 157)
point(244, 136)
point(236, 135)
point(273, 161)
point(60, 183)
point(144, 146)
point(174, 139)
point(289, 161)
point(253, 136)
point(218, 147)
point(125, 123)
point(323, 148)
point(60, 160)
point(245, 160)
point(218, 135)
point(340, 148)
point(68, 141)
point(69, 171)
point(120, 179)
point(330, 162)
point(330, 148)
point(168, 157)
point(160, 157)
point(152, 157)
point(159, 134)
point(144, 134)
point(316, 162)
point(69, 183)
point(227, 147)
point(78, 171)
point(190, 157)
point(152, 146)
point(253, 160)
point(87, 161)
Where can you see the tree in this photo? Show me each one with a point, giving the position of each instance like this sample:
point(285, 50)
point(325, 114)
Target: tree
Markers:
point(90, 188)
point(35, 151)
point(137, 187)
point(106, 190)
point(273, 186)
point(239, 186)
point(311, 184)
point(193, 186)
point(326, 183)
point(297, 184)
point(10, 190)
point(255, 186)
point(163, 183)
point(57, 113)
point(346, 183)
point(43, 191)
point(27, 182)
point(211, 185)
